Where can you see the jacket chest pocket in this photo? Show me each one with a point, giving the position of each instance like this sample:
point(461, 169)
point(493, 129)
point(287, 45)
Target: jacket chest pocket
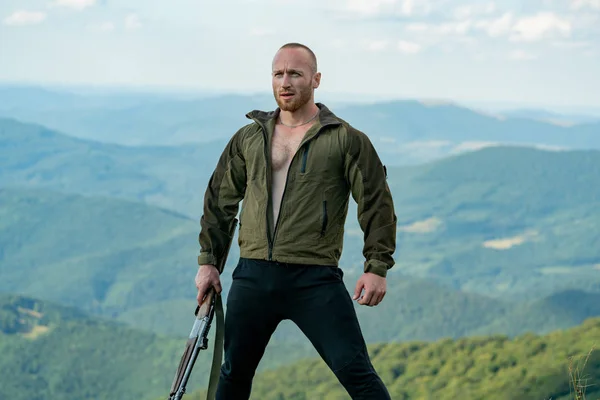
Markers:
point(319, 159)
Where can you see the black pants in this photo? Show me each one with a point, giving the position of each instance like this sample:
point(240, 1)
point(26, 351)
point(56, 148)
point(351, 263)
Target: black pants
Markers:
point(313, 297)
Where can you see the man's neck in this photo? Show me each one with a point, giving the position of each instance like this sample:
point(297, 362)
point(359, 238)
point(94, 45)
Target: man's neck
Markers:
point(299, 116)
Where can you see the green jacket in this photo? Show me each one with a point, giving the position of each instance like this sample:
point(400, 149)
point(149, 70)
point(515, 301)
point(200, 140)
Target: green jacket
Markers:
point(333, 161)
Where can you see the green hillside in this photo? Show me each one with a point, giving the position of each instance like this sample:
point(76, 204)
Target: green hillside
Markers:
point(560, 310)
point(503, 221)
point(52, 352)
point(138, 267)
point(170, 177)
point(528, 367)
point(502, 210)
point(422, 310)
point(508, 222)
point(102, 255)
point(58, 353)
point(464, 223)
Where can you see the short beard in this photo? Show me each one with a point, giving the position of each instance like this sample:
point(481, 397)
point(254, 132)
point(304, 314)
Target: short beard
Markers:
point(305, 94)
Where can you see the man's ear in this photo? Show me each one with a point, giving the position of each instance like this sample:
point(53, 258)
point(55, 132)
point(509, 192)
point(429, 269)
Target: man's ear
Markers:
point(317, 80)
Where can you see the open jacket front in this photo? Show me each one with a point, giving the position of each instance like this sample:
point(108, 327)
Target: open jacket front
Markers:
point(333, 161)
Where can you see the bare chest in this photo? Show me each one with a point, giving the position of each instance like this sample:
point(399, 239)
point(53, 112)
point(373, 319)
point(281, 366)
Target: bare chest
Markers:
point(283, 147)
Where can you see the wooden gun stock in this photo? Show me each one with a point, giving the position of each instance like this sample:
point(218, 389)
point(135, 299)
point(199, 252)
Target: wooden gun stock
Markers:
point(203, 310)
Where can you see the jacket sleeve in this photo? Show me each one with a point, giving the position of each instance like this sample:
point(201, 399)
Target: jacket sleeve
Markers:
point(226, 188)
point(367, 179)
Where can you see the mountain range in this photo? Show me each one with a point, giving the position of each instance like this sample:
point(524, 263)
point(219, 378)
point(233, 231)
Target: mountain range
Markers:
point(98, 241)
point(405, 132)
point(465, 225)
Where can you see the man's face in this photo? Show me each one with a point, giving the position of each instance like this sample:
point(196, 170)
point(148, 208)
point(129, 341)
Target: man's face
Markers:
point(293, 79)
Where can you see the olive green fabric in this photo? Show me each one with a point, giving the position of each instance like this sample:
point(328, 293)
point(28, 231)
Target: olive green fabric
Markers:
point(334, 161)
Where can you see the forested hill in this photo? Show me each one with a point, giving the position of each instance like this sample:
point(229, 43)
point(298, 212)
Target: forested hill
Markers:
point(52, 352)
point(505, 221)
point(528, 367)
point(138, 266)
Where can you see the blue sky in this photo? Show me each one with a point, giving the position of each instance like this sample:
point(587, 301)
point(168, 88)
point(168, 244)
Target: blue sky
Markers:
point(543, 52)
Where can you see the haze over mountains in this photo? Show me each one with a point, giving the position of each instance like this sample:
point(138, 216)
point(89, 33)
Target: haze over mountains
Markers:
point(405, 131)
point(100, 199)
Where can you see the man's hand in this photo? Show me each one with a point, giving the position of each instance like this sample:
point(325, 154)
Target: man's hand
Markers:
point(207, 276)
point(375, 289)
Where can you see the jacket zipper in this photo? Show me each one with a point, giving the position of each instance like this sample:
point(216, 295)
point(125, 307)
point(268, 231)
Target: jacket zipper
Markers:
point(271, 240)
point(269, 199)
point(287, 179)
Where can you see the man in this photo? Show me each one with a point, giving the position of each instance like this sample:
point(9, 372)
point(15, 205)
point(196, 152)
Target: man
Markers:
point(295, 168)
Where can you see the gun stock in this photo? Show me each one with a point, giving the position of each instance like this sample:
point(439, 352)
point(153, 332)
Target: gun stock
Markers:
point(198, 337)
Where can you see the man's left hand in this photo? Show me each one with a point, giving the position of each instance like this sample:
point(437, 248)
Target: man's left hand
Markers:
point(375, 289)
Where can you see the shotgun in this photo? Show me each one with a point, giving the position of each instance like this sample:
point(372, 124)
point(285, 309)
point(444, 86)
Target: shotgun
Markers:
point(198, 337)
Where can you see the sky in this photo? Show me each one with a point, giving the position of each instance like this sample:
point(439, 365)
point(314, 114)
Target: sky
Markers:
point(538, 52)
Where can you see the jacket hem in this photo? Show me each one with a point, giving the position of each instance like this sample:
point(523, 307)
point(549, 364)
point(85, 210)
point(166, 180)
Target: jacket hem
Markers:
point(290, 259)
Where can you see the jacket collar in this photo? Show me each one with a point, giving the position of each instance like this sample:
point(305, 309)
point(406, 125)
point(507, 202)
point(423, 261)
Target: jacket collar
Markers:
point(326, 116)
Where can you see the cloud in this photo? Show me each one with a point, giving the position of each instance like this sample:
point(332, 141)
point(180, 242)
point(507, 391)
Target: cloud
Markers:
point(467, 11)
point(572, 44)
point(23, 17)
point(408, 47)
point(76, 4)
point(370, 8)
point(132, 22)
point(540, 26)
point(445, 28)
point(498, 26)
point(521, 55)
point(107, 26)
point(454, 24)
point(578, 4)
point(402, 46)
point(377, 45)
point(543, 25)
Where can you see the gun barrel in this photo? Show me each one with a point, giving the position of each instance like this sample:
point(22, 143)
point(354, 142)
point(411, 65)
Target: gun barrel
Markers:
point(201, 327)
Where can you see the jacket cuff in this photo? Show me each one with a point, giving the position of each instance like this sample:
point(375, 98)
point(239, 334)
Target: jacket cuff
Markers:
point(207, 258)
point(376, 267)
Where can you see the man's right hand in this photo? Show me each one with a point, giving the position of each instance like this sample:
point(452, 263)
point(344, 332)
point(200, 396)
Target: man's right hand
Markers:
point(207, 277)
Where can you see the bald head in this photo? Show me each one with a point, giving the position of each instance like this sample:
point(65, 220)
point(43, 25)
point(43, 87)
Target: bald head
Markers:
point(310, 57)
